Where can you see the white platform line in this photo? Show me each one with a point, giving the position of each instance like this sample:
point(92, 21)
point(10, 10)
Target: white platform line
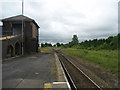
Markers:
point(63, 73)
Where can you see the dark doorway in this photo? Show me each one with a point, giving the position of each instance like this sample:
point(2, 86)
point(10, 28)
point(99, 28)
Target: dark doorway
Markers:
point(17, 49)
point(10, 51)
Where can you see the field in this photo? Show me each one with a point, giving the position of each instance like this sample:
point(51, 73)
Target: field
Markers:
point(46, 50)
point(104, 58)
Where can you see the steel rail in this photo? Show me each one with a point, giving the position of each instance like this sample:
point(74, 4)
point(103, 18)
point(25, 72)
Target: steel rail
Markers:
point(71, 81)
point(81, 72)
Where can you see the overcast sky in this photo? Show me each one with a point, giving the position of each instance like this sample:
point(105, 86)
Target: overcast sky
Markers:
point(60, 19)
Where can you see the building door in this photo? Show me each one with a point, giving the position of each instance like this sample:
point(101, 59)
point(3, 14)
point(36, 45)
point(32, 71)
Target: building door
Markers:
point(17, 49)
point(10, 51)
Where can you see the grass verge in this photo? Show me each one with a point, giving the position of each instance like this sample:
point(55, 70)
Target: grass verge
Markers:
point(46, 50)
point(104, 58)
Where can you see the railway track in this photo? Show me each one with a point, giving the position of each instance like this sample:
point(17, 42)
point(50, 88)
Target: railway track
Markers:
point(76, 77)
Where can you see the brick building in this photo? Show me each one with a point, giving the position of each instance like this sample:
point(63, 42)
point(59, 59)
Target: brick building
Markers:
point(15, 27)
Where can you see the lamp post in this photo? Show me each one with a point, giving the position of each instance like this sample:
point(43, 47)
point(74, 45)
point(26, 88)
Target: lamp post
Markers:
point(22, 29)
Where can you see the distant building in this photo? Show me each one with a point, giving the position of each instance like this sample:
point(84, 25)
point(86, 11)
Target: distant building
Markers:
point(12, 29)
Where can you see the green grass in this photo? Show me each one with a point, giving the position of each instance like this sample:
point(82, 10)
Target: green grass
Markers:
point(104, 58)
point(46, 50)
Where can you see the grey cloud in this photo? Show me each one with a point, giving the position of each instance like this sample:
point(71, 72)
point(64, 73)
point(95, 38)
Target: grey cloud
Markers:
point(60, 19)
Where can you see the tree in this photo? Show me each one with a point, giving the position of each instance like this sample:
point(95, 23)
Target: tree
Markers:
point(42, 45)
point(118, 41)
point(58, 44)
point(72, 43)
point(109, 39)
point(75, 40)
point(49, 44)
point(46, 45)
point(54, 45)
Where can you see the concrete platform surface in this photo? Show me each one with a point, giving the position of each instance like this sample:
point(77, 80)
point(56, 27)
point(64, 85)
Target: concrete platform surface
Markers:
point(29, 71)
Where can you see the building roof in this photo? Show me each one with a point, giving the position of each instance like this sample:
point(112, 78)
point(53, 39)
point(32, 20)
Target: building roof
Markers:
point(20, 18)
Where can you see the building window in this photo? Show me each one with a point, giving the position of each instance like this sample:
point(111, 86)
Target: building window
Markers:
point(17, 28)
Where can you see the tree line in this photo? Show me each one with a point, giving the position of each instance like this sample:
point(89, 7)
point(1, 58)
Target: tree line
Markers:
point(111, 43)
point(50, 45)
